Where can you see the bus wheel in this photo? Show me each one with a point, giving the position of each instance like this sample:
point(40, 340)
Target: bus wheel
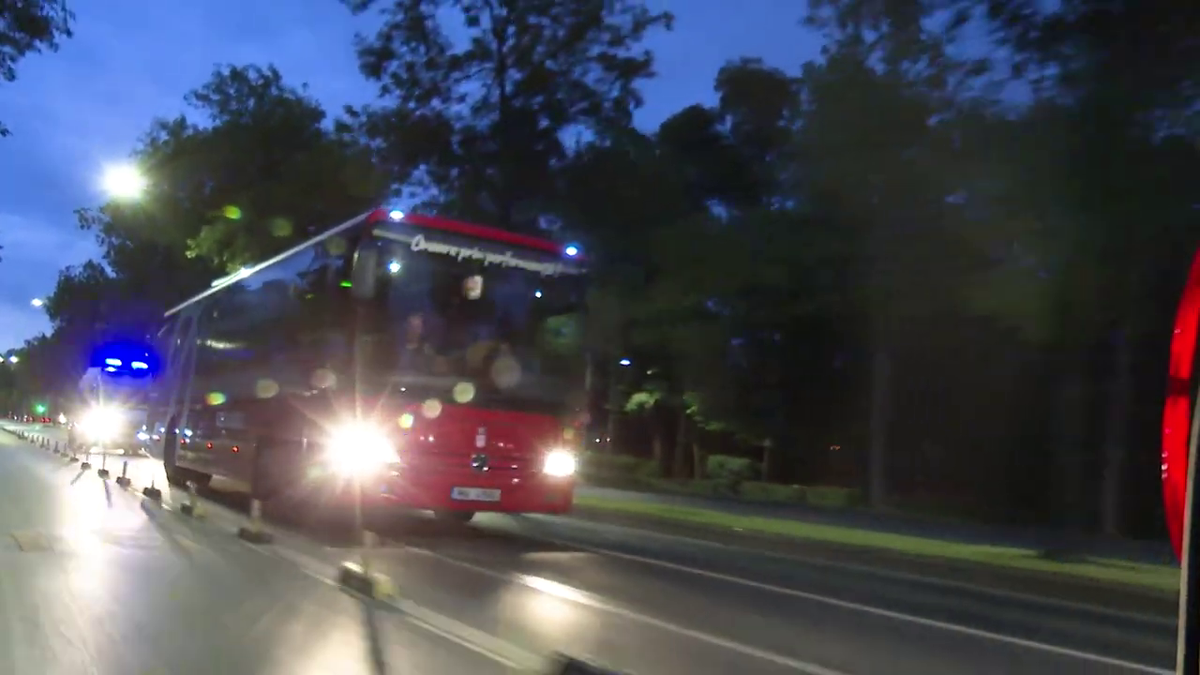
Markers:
point(460, 517)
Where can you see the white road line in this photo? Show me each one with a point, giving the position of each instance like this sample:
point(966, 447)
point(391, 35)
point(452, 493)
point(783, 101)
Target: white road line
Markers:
point(505, 653)
point(899, 576)
point(595, 602)
point(810, 668)
point(867, 609)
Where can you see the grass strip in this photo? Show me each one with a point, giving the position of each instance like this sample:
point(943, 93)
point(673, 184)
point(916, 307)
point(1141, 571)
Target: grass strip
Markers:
point(1158, 577)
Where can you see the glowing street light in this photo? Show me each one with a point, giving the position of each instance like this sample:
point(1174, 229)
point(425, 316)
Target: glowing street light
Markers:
point(124, 181)
point(37, 302)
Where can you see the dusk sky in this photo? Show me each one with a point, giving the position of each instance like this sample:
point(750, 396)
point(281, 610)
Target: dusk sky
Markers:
point(131, 61)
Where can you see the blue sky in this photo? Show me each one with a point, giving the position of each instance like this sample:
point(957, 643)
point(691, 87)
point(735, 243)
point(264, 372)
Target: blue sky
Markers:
point(131, 60)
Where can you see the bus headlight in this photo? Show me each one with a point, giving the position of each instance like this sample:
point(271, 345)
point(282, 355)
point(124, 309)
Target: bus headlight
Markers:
point(359, 450)
point(100, 424)
point(559, 463)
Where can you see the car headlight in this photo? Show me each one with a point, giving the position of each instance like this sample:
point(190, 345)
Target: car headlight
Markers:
point(101, 424)
point(359, 450)
point(559, 463)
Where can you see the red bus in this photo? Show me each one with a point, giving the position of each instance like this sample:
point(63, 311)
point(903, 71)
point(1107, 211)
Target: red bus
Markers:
point(436, 364)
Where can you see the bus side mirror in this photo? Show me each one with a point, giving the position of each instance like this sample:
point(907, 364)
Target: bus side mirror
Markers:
point(364, 272)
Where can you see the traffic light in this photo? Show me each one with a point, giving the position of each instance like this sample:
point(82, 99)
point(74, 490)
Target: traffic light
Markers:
point(39, 409)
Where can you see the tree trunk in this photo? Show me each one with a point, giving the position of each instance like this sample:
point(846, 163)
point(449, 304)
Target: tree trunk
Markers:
point(770, 460)
point(698, 459)
point(1116, 436)
point(1068, 450)
point(679, 464)
point(614, 410)
point(877, 454)
point(657, 442)
point(610, 432)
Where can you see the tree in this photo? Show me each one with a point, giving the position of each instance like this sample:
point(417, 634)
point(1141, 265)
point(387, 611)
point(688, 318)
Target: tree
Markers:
point(45, 373)
point(30, 27)
point(665, 213)
point(484, 123)
point(1084, 182)
point(260, 172)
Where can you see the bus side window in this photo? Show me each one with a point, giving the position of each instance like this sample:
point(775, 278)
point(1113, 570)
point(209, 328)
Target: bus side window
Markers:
point(203, 424)
point(230, 421)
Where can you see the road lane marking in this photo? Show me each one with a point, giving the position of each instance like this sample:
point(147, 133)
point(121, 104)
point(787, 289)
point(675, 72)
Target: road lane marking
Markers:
point(416, 612)
point(505, 653)
point(489, 646)
point(1163, 621)
point(595, 602)
point(857, 607)
point(32, 541)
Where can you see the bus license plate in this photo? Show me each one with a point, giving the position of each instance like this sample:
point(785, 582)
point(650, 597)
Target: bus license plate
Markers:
point(474, 494)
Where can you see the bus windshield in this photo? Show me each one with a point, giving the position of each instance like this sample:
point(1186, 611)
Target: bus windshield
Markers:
point(478, 334)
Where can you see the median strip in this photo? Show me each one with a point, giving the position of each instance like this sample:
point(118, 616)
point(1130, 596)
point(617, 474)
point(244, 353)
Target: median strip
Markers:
point(1156, 577)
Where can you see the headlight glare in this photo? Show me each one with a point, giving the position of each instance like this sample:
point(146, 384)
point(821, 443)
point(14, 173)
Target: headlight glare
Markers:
point(101, 424)
point(559, 463)
point(359, 449)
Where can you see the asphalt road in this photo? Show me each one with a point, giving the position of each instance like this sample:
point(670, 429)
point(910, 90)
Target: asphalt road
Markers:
point(505, 589)
point(1140, 551)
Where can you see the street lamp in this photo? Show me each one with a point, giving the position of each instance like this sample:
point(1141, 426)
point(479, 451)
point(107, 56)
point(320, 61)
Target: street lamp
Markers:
point(123, 181)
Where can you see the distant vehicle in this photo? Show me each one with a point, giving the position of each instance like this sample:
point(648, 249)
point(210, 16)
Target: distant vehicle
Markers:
point(113, 394)
point(435, 364)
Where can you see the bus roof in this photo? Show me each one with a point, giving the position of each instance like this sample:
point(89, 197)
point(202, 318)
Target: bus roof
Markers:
point(379, 216)
point(468, 230)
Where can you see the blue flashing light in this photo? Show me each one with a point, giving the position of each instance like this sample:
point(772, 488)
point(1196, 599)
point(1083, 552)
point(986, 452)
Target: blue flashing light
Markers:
point(571, 250)
point(537, 294)
point(394, 267)
point(396, 215)
point(133, 359)
point(625, 362)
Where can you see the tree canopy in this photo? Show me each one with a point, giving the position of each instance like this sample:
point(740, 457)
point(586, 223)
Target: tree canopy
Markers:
point(29, 27)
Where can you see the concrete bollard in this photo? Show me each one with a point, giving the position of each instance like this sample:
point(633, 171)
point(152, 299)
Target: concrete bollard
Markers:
point(192, 506)
point(123, 479)
point(253, 531)
point(152, 493)
point(103, 472)
point(561, 664)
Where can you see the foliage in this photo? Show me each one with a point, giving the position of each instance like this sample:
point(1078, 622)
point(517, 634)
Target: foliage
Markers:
point(259, 172)
point(29, 27)
point(483, 120)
